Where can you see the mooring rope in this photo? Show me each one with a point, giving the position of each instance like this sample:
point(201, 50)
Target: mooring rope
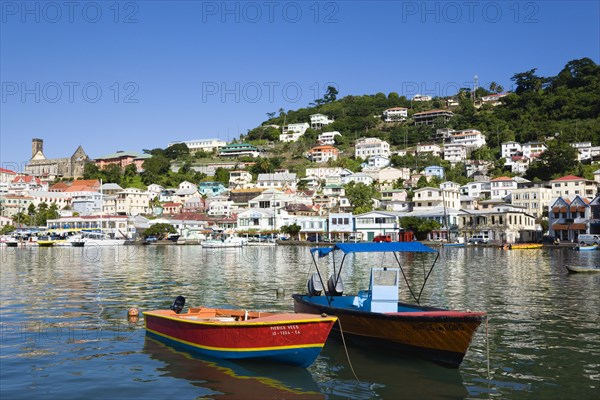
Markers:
point(487, 346)
point(346, 349)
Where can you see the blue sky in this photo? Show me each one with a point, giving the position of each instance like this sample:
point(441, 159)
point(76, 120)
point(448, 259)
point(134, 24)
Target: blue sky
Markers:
point(136, 75)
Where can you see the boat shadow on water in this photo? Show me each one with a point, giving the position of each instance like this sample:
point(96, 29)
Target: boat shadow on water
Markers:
point(384, 376)
point(242, 379)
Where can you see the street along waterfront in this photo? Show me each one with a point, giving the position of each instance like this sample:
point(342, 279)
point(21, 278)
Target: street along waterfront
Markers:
point(64, 331)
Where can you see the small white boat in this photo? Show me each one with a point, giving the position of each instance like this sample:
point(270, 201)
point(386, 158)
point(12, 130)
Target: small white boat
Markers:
point(588, 269)
point(95, 239)
point(229, 241)
point(589, 247)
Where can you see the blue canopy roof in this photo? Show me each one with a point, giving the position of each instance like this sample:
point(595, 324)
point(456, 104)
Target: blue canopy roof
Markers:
point(401, 247)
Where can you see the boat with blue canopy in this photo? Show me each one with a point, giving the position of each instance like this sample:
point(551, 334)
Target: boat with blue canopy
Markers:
point(375, 317)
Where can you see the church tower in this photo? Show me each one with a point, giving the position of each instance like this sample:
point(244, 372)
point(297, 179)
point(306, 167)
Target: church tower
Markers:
point(37, 145)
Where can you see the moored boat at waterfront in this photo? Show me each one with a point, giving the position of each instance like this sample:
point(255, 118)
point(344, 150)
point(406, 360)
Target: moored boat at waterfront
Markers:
point(584, 269)
point(95, 239)
point(590, 247)
point(376, 319)
point(223, 242)
point(525, 246)
point(288, 338)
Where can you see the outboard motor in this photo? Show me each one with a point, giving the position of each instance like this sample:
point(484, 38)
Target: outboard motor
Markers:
point(315, 287)
point(335, 286)
point(178, 304)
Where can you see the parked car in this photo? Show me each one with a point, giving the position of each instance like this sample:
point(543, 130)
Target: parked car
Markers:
point(150, 239)
point(382, 238)
point(475, 239)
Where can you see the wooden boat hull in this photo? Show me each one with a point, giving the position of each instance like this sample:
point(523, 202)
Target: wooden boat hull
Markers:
point(435, 334)
point(585, 269)
point(295, 339)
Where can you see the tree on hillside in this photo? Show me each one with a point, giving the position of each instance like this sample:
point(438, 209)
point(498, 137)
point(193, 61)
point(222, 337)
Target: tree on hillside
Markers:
point(559, 159)
point(177, 151)
point(360, 196)
point(222, 175)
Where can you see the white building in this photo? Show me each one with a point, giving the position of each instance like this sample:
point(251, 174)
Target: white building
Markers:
point(502, 187)
point(534, 197)
point(133, 201)
point(470, 138)
point(376, 223)
point(476, 190)
point(429, 197)
point(219, 206)
point(455, 153)
point(421, 97)
point(433, 149)
point(277, 181)
point(318, 121)
point(570, 186)
point(240, 179)
point(395, 114)
point(324, 172)
point(87, 203)
point(367, 147)
point(585, 151)
point(328, 137)
point(533, 149)
point(292, 132)
point(376, 162)
point(359, 177)
point(207, 145)
point(510, 149)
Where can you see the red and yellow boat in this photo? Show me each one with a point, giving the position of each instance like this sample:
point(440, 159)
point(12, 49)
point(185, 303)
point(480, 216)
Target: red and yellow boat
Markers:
point(376, 319)
point(295, 339)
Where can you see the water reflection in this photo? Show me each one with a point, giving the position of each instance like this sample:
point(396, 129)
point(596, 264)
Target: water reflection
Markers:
point(544, 328)
point(221, 379)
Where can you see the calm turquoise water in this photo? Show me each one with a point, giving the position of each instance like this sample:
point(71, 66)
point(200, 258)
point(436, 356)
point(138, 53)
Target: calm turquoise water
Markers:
point(64, 332)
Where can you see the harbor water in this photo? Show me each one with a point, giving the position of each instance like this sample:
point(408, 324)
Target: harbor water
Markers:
point(64, 332)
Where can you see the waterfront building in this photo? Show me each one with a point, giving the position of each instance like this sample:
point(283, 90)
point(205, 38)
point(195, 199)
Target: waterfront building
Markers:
point(502, 224)
point(567, 219)
point(533, 196)
point(374, 223)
